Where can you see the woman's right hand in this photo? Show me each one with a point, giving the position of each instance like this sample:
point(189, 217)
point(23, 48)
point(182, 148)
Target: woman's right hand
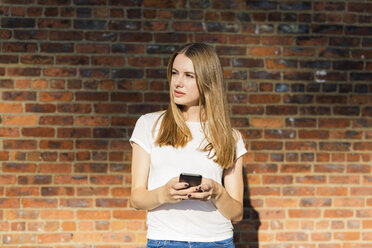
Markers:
point(174, 191)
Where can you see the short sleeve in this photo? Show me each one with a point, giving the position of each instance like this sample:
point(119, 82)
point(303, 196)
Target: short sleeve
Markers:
point(142, 134)
point(240, 146)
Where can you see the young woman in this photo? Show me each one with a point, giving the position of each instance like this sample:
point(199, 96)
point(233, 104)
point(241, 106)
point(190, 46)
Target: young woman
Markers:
point(193, 135)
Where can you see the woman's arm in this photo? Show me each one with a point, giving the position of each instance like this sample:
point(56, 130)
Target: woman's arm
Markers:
point(228, 199)
point(141, 197)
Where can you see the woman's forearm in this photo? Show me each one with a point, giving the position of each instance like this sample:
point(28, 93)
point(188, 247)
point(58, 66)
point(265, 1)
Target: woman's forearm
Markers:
point(144, 199)
point(228, 206)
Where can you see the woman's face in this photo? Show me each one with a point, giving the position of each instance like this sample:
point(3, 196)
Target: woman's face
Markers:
point(183, 82)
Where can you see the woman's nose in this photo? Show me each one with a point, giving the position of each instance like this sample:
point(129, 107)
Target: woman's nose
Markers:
point(179, 81)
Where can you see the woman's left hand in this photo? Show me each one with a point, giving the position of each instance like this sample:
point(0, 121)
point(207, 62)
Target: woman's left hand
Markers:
point(207, 190)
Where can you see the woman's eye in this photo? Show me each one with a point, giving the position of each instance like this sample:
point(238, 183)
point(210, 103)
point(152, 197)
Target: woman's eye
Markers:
point(174, 73)
point(190, 75)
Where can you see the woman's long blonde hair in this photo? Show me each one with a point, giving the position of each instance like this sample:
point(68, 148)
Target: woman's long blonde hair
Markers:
point(215, 122)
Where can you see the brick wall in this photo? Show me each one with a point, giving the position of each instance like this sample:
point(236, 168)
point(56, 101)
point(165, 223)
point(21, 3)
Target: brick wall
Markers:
point(76, 74)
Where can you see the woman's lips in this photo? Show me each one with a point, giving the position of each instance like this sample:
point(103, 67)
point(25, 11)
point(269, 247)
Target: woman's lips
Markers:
point(178, 93)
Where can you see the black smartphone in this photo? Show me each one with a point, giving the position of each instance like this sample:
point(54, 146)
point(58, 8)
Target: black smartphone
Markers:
point(191, 179)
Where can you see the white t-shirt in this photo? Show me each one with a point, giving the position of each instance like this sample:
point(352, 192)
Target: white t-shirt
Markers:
point(188, 220)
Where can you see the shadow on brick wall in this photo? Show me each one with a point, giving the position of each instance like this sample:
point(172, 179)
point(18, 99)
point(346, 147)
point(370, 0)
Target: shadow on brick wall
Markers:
point(246, 232)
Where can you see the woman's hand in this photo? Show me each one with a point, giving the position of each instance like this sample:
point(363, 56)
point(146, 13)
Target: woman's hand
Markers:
point(207, 190)
point(174, 191)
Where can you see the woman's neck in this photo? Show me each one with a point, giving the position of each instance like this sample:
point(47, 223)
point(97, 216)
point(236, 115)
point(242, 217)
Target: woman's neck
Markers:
point(192, 114)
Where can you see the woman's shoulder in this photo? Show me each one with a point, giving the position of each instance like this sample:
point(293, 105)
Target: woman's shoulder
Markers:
point(152, 117)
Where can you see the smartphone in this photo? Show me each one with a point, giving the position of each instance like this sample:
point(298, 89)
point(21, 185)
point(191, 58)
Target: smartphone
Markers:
point(191, 179)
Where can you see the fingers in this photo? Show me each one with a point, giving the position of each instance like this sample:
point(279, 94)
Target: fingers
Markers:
point(178, 186)
point(181, 191)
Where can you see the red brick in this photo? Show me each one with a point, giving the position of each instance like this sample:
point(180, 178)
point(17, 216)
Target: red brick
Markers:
point(19, 144)
point(262, 168)
point(39, 203)
point(111, 203)
point(362, 146)
point(244, 39)
point(9, 132)
point(18, 238)
point(316, 202)
point(40, 108)
point(34, 180)
point(277, 179)
point(93, 214)
point(292, 236)
point(328, 191)
point(313, 134)
point(348, 202)
point(254, 191)
point(92, 144)
point(92, 96)
point(300, 52)
point(54, 168)
point(347, 236)
point(267, 122)
point(110, 108)
point(38, 132)
point(281, 203)
point(56, 120)
point(144, 61)
point(121, 191)
point(55, 96)
point(311, 179)
point(298, 145)
point(129, 214)
point(299, 213)
point(266, 145)
point(19, 120)
point(19, 96)
point(57, 191)
point(277, 40)
point(10, 108)
point(9, 203)
point(56, 144)
point(295, 168)
point(92, 48)
point(22, 191)
point(323, 236)
point(54, 237)
point(36, 59)
point(104, 180)
point(74, 133)
point(361, 191)
point(298, 191)
point(74, 108)
point(93, 191)
point(262, 99)
point(91, 121)
point(70, 179)
point(264, 51)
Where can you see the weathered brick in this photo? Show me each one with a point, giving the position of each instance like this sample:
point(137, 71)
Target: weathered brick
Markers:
point(59, 72)
point(55, 120)
point(91, 121)
point(56, 144)
point(18, 23)
point(19, 144)
point(24, 72)
point(9, 132)
point(91, 144)
point(40, 108)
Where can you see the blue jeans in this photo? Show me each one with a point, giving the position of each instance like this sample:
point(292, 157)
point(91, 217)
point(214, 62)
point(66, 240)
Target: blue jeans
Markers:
point(227, 243)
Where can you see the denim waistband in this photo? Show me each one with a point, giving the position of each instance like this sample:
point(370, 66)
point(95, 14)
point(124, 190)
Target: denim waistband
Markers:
point(227, 243)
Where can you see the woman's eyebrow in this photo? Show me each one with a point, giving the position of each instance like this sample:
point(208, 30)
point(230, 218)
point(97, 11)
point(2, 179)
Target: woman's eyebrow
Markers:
point(185, 71)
